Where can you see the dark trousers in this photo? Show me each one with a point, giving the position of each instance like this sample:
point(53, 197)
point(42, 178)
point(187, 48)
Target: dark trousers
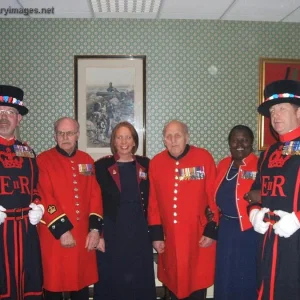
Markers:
point(82, 294)
point(198, 295)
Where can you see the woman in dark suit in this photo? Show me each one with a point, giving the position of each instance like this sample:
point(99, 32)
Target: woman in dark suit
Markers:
point(126, 264)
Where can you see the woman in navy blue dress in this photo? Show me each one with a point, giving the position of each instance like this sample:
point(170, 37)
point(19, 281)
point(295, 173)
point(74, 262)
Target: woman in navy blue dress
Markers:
point(235, 277)
point(125, 259)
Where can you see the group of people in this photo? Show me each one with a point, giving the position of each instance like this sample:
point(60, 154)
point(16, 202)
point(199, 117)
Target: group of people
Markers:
point(67, 222)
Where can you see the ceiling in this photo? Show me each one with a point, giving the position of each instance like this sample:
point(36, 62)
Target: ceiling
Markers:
point(247, 10)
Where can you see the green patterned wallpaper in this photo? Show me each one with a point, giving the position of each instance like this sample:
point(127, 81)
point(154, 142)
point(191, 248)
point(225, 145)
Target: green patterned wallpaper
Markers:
point(202, 72)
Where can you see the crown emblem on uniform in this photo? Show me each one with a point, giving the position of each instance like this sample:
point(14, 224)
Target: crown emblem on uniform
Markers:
point(9, 159)
point(51, 209)
point(277, 160)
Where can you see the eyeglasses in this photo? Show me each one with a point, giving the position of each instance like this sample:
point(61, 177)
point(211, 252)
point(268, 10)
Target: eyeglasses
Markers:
point(66, 133)
point(9, 113)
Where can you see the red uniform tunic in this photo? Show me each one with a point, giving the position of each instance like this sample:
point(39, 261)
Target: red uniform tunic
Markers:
point(180, 190)
point(72, 202)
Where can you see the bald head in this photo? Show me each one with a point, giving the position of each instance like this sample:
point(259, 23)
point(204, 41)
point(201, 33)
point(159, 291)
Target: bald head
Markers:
point(184, 127)
point(176, 136)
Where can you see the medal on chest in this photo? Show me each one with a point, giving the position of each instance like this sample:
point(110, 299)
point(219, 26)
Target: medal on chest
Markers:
point(193, 173)
point(23, 151)
point(291, 148)
point(248, 175)
point(85, 169)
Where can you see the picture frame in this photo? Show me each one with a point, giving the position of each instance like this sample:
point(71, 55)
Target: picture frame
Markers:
point(273, 69)
point(109, 89)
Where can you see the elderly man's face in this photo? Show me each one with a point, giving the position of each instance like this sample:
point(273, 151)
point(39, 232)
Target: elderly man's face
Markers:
point(66, 135)
point(9, 120)
point(175, 138)
point(284, 117)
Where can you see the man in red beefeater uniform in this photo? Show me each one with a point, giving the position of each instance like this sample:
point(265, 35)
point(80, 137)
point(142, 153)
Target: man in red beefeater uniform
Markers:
point(69, 231)
point(181, 185)
point(276, 218)
point(20, 208)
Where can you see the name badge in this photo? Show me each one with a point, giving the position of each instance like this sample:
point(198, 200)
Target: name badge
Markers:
point(23, 151)
point(85, 169)
point(291, 148)
point(249, 175)
point(194, 173)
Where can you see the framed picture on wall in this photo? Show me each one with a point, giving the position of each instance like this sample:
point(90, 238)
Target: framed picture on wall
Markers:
point(109, 89)
point(272, 69)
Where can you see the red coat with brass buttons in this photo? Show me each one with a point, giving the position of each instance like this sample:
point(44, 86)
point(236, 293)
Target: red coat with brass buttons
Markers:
point(72, 201)
point(179, 206)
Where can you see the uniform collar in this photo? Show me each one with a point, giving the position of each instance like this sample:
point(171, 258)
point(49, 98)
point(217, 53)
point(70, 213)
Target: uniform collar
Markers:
point(290, 135)
point(248, 158)
point(64, 153)
point(7, 142)
point(186, 150)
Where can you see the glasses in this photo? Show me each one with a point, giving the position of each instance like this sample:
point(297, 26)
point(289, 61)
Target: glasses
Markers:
point(66, 133)
point(8, 113)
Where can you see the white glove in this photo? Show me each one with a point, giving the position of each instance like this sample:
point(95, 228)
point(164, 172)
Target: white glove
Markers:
point(287, 225)
point(256, 218)
point(36, 213)
point(3, 215)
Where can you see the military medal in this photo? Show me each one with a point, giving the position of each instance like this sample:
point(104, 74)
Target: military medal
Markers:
point(248, 175)
point(194, 173)
point(291, 148)
point(142, 175)
point(85, 169)
point(23, 151)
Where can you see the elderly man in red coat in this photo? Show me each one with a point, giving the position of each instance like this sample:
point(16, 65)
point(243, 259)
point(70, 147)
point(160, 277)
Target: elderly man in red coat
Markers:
point(72, 222)
point(181, 185)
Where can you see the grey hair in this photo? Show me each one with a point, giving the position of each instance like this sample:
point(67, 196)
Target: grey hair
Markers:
point(184, 127)
point(56, 123)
